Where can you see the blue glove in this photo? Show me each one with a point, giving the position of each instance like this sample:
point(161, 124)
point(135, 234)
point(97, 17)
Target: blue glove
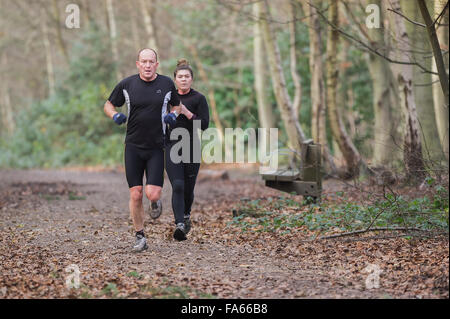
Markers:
point(119, 118)
point(171, 119)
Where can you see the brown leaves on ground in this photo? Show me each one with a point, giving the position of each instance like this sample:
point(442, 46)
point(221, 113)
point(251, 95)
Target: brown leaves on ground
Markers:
point(41, 236)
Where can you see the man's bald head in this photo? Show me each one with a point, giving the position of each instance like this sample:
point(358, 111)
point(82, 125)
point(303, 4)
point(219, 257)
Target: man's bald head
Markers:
point(147, 63)
point(147, 51)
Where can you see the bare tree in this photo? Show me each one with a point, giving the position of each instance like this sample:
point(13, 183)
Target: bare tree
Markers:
point(211, 95)
point(404, 75)
point(293, 129)
point(316, 66)
point(440, 102)
point(265, 112)
point(443, 76)
point(296, 104)
point(148, 23)
point(423, 94)
point(5, 104)
point(48, 53)
point(59, 37)
point(134, 27)
point(382, 77)
point(349, 151)
point(113, 36)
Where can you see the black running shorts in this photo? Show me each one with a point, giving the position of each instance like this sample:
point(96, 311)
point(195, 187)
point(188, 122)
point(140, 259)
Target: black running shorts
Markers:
point(138, 160)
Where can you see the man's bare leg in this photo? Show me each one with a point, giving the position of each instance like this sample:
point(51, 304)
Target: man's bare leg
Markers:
point(153, 193)
point(136, 208)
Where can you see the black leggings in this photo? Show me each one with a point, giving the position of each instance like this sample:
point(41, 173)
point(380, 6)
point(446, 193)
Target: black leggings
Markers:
point(182, 177)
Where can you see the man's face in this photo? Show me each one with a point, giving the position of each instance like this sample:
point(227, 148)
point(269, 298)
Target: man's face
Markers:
point(147, 65)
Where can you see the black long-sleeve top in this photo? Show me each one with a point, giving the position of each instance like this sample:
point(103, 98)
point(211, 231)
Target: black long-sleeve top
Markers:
point(197, 104)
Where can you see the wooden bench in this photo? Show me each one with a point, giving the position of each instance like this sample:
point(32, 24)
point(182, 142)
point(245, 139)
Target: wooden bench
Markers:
point(306, 180)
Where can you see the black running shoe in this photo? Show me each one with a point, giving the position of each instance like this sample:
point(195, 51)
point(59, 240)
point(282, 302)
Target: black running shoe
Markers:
point(187, 224)
point(180, 232)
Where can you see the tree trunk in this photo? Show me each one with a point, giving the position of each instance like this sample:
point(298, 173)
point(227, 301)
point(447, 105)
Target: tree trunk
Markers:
point(296, 104)
point(87, 16)
point(148, 23)
point(412, 148)
point(265, 112)
point(134, 27)
point(48, 54)
point(7, 111)
point(349, 151)
point(318, 105)
point(113, 37)
point(397, 122)
point(423, 94)
point(211, 97)
point(344, 96)
point(59, 37)
point(380, 73)
point(440, 103)
point(293, 129)
point(437, 53)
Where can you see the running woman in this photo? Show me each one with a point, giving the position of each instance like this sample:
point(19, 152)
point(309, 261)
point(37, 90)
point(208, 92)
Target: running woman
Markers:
point(147, 95)
point(183, 175)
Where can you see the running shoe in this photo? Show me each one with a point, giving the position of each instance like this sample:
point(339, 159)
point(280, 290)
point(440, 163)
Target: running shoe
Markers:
point(155, 209)
point(141, 244)
point(180, 232)
point(187, 224)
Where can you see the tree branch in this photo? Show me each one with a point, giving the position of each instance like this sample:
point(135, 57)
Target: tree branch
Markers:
point(374, 229)
point(435, 45)
point(441, 14)
point(402, 15)
point(370, 49)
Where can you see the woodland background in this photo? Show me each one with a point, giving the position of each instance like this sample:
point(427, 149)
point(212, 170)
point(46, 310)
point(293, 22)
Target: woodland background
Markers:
point(371, 97)
point(375, 99)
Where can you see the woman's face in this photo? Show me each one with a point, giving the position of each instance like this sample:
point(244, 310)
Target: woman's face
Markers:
point(183, 80)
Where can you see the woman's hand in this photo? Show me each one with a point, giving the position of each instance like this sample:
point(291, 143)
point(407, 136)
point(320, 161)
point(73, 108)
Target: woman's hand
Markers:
point(184, 109)
point(186, 112)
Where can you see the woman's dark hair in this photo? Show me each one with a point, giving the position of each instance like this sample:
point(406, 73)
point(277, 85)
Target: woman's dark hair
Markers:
point(183, 64)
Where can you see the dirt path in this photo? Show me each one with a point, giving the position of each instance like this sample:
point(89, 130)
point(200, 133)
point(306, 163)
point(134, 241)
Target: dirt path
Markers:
point(53, 219)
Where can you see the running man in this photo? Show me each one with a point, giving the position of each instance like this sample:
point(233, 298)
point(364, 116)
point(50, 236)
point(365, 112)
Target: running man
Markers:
point(147, 95)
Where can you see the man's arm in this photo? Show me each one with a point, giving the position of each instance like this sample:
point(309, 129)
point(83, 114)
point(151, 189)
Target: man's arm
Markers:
point(109, 109)
point(111, 112)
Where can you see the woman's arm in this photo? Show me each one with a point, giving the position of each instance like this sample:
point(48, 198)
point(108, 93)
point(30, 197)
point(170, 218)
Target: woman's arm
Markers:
point(203, 113)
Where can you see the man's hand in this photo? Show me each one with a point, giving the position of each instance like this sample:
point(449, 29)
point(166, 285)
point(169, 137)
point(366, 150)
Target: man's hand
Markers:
point(170, 119)
point(119, 118)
